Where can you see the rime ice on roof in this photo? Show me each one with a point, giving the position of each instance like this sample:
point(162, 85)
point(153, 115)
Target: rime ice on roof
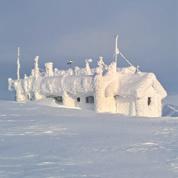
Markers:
point(105, 88)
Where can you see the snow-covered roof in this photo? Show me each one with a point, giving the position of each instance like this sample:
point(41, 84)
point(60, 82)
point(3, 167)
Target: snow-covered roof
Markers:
point(137, 84)
point(126, 83)
point(75, 85)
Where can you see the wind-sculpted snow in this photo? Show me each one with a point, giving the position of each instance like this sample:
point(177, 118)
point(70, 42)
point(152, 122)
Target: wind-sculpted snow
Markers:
point(53, 142)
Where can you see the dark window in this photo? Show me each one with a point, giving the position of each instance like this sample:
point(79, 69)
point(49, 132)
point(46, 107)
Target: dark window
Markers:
point(149, 101)
point(58, 99)
point(78, 99)
point(116, 97)
point(90, 99)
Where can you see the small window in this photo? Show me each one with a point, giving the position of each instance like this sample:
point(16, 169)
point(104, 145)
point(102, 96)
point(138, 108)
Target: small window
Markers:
point(58, 99)
point(149, 101)
point(116, 97)
point(78, 99)
point(90, 99)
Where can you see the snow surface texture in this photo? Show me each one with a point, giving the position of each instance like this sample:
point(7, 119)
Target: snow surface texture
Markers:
point(54, 142)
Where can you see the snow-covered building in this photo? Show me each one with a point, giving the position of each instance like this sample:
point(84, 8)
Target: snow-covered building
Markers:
point(106, 88)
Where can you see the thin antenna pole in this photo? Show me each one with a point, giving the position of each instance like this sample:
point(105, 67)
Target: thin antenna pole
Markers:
point(118, 52)
point(18, 63)
point(116, 49)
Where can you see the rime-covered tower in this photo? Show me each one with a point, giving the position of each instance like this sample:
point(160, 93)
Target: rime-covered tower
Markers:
point(18, 84)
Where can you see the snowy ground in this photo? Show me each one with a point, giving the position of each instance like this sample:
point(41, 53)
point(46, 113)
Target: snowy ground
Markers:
point(40, 141)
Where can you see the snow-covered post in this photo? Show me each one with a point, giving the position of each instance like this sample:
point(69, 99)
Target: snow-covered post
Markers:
point(18, 63)
point(87, 66)
point(10, 84)
point(102, 83)
point(112, 68)
point(26, 86)
point(17, 84)
point(99, 93)
point(77, 70)
point(36, 67)
point(101, 65)
point(20, 93)
point(100, 62)
point(67, 100)
point(36, 83)
point(49, 69)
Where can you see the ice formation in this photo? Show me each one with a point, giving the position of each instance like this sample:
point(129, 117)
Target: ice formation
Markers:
point(106, 88)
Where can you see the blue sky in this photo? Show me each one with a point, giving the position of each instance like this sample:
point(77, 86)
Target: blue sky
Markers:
point(57, 30)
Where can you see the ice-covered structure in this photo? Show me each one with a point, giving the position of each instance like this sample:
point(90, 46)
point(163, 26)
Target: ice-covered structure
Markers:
point(106, 88)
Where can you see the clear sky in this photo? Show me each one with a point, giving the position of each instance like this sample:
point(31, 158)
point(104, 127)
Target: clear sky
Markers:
point(57, 30)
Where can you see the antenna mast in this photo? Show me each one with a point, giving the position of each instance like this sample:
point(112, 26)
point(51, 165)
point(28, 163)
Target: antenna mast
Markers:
point(18, 63)
point(116, 49)
point(118, 52)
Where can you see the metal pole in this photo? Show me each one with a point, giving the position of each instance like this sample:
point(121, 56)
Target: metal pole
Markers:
point(116, 49)
point(18, 63)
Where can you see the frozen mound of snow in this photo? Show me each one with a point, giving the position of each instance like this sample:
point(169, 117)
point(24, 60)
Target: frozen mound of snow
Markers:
point(52, 103)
